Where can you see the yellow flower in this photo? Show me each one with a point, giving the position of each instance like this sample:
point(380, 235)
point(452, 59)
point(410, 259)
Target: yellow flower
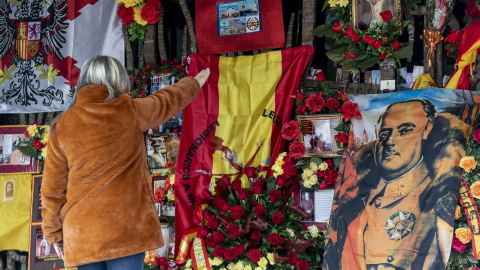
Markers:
point(217, 261)
point(271, 258)
point(46, 129)
point(263, 174)
point(170, 195)
point(263, 262)
point(277, 167)
point(333, 3)
point(314, 166)
point(343, 3)
point(231, 266)
point(307, 184)
point(260, 268)
point(468, 163)
point(32, 130)
point(138, 15)
point(475, 189)
point(458, 212)
point(307, 173)
point(44, 152)
point(188, 263)
point(239, 266)
point(131, 3)
point(464, 235)
point(120, 1)
point(313, 179)
point(172, 179)
point(247, 267)
point(44, 140)
point(323, 166)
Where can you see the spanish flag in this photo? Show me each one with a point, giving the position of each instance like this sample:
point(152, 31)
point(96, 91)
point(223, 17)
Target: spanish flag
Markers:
point(235, 122)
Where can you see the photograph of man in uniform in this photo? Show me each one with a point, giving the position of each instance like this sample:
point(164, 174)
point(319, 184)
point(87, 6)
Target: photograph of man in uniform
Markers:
point(394, 208)
point(306, 202)
point(9, 190)
point(157, 159)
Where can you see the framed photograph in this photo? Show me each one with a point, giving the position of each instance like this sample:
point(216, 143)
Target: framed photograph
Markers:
point(11, 159)
point(365, 13)
point(356, 77)
point(317, 133)
point(313, 73)
point(307, 202)
point(158, 181)
point(157, 154)
point(376, 77)
point(402, 77)
point(368, 77)
point(343, 75)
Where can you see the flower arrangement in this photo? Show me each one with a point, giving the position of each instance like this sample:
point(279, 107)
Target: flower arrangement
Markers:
point(318, 174)
point(341, 9)
point(138, 16)
point(154, 262)
point(461, 256)
point(35, 142)
point(452, 42)
point(166, 195)
point(142, 78)
point(257, 227)
point(358, 49)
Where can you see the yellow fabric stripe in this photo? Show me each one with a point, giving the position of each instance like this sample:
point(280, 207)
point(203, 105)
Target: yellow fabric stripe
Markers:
point(15, 209)
point(246, 87)
point(467, 59)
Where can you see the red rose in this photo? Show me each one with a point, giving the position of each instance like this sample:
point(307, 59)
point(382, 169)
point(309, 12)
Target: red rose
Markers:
point(396, 45)
point(342, 96)
point(328, 180)
point(299, 96)
point(277, 218)
point(237, 212)
point(210, 241)
point(368, 39)
point(320, 76)
point(329, 163)
point(332, 103)
point(219, 237)
point(250, 172)
point(163, 263)
point(229, 254)
point(454, 36)
point(196, 220)
point(220, 204)
point(239, 249)
point(458, 245)
point(275, 195)
point(213, 224)
point(225, 181)
point(476, 135)
point(386, 15)
point(202, 232)
point(150, 14)
point(320, 174)
point(155, 3)
point(126, 14)
point(377, 44)
point(26, 134)
point(302, 265)
point(256, 236)
point(37, 144)
point(341, 137)
point(300, 110)
point(292, 257)
point(255, 255)
point(275, 239)
point(258, 187)
point(259, 210)
point(233, 230)
point(280, 181)
point(323, 186)
point(208, 215)
point(218, 252)
point(351, 55)
point(348, 31)
point(315, 102)
point(354, 37)
point(291, 130)
point(296, 149)
point(337, 27)
point(349, 110)
point(242, 194)
point(237, 185)
point(383, 55)
point(472, 10)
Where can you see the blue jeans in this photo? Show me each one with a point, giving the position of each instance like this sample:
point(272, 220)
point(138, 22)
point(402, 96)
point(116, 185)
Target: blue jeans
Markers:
point(132, 262)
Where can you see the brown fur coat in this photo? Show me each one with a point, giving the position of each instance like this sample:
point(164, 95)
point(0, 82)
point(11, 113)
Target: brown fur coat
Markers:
point(96, 193)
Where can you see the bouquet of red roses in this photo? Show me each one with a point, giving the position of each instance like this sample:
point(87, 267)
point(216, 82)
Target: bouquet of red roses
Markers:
point(253, 225)
point(138, 16)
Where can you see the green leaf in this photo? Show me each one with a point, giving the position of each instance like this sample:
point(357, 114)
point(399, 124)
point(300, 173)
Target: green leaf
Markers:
point(271, 185)
point(343, 127)
point(338, 54)
point(403, 52)
point(336, 161)
point(27, 150)
point(324, 30)
point(368, 63)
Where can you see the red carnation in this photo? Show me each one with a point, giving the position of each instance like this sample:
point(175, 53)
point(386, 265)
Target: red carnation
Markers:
point(354, 37)
point(155, 3)
point(292, 257)
point(377, 44)
point(396, 45)
point(288, 168)
point(320, 76)
point(386, 15)
point(302, 265)
point(291, 130)
point(259, 210)
point(239, 249)
point(472, 10)
point(229, 254)
point(277, 218)
point(341, 137)
point(275, 195)
point(476, 135)
point(275, 239)
point(219, 237)
point(332, 103)
point(255, 255)
point(26, 134)
point(349, 110)
point(256, 236)
point(337, 27)
point(454, 36)
point(368, 39)
point(126, 14)
point(296, 149)
point(237, 212)
point(351, 55)
point(37, 144)
point(383, 55)
point(315, 102)
point(150, 14)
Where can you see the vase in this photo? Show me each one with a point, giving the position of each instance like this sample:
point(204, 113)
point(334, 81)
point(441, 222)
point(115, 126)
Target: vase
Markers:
point(387, 74)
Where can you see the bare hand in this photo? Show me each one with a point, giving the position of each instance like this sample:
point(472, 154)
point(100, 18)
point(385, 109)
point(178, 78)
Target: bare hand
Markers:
point(202, 76)
point(59, 249)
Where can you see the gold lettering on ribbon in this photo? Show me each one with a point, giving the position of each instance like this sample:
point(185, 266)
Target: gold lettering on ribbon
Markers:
point(199, 256)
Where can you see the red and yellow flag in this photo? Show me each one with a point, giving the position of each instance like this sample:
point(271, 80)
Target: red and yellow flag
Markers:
point(235, 122)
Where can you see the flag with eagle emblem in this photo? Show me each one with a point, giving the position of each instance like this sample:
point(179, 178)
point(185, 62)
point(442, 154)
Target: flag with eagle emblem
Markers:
point(43, 44)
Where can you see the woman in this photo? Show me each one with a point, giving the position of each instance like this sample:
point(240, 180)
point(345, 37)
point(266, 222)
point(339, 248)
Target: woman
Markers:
point(98, 205)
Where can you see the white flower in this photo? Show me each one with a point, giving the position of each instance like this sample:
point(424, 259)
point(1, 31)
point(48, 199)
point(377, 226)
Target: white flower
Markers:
point(307, 184)
point(263, 262)
point(313, 179)
point(239, 266)
point(247, 267)
point(313, 231)
point(217, 261)
point(188, 263)
point(231, 266)
point(271, 258)
point(291, 232)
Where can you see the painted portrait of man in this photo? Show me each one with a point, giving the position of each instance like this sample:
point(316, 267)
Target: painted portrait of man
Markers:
point(394, 205)
point(9, 190)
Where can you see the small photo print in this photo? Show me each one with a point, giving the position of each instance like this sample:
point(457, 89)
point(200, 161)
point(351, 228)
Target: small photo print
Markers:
point(249, 8)
point(8, 190)
point(410, 80)
point(253, 24)
point(238, 17)
point(376, 78)
point(306, 202)
point(237, 26)
point(228, 10)
point(402, 77)
point(43, 247)
point(313, 73)
point(356, 77)
point(368, 77)
point(223, 28)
